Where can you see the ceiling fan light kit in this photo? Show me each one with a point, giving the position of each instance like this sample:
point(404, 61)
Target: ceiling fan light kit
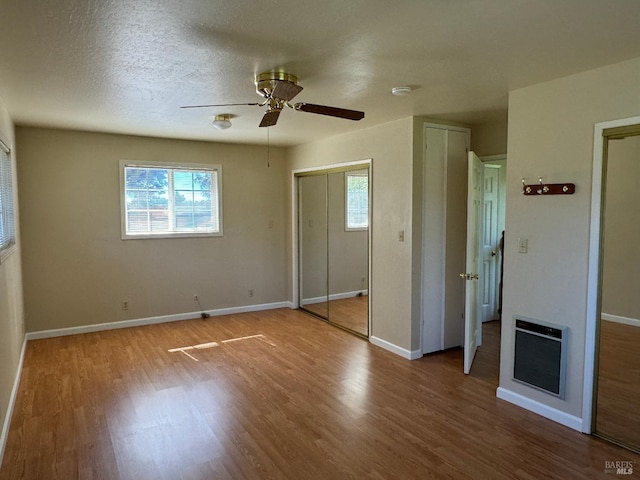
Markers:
point(278, 89)
point(222, 122)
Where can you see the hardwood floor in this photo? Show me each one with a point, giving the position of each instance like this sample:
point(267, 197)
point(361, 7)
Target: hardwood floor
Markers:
point(291, 397)
point(352, 313)
point(486, 365)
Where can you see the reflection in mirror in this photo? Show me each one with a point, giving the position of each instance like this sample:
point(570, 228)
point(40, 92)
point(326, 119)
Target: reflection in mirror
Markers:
point(312, 229)
point(348, 207)
point(617, 412)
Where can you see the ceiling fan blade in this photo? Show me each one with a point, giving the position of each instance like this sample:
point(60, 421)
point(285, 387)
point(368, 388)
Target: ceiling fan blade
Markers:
point(330, 111)
point(222, 105)
point(285, 90)
point(270, 118)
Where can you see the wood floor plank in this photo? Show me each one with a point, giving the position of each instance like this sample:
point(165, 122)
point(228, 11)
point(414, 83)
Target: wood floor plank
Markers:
point(275, 395)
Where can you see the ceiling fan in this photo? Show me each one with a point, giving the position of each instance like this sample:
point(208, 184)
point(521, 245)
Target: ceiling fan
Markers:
point(278, 89)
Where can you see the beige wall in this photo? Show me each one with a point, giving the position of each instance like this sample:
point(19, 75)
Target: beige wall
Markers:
point(77, 270)
point(390, 148)
point(621, 253)
point(551, 129)
point(11, 306)
point(489, 138)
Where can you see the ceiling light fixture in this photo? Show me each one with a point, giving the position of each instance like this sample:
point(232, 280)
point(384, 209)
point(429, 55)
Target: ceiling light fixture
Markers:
point(400, 91)
point(222, 122)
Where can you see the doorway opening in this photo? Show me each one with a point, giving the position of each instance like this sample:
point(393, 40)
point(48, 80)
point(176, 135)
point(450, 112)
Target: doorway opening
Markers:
point(490, 246)
point(616, 323)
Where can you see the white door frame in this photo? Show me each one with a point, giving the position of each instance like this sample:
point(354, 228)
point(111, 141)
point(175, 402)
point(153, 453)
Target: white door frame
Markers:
point(436, 230)
point(594, 266)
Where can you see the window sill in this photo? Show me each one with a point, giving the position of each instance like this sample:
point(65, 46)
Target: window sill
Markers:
point(148, 236)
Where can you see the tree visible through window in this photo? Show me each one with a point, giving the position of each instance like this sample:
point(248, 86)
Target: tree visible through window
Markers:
point(357, 200)
point(171, 201)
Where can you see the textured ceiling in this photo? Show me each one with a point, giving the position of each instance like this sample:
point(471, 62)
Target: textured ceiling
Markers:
point(126, 66)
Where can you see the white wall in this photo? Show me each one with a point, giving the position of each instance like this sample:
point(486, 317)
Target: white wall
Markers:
point(551, 129)
point(77, 270)
point(11, 304)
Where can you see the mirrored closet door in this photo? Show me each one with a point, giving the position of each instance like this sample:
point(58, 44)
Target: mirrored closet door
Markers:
point(617, 402)
point(333, 246)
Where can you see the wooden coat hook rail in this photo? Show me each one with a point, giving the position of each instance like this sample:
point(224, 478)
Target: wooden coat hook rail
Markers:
point(541, 188)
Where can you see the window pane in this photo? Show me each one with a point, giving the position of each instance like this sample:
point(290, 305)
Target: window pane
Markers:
point(183, 180)
point(138, 222)
point(357, 201)
point(7, 228)
point(170, 200)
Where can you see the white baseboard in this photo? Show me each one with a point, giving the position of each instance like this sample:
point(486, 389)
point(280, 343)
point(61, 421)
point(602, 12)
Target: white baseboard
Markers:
point(335, 296)
point(618, 319)
point(98, 327)
point(12, 401)
point(403, 352)
point(541, 409)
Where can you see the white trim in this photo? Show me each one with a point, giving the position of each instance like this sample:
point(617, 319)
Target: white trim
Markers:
point(493, 158)
point(12, 402)
point(634, 322)
point(335, 296)
point(364, 162)
point(594, 267)
point(541, 409)
point(442, 126)
point(99, 327)
point(403, 352)
point(294, 241)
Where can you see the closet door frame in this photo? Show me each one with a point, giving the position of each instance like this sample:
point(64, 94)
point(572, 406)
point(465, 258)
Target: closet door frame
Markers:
point(295, 234)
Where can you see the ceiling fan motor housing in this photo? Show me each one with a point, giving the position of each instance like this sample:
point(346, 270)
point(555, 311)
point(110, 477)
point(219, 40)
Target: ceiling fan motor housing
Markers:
point(266, 82)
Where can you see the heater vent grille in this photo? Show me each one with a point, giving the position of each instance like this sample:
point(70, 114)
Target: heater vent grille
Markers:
point(540, 355)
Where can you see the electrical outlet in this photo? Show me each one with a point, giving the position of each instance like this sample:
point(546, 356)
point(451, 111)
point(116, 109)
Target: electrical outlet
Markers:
point(250, 293)
point(125, 305)
point(401, 236)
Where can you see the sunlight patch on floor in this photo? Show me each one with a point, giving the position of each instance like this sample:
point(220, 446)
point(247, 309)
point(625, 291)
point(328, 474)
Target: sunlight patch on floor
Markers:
point(203, 346)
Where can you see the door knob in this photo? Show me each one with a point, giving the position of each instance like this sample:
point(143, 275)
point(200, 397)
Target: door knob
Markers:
point(493, 253)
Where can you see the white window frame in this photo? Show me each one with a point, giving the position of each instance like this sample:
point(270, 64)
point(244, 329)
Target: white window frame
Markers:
point(7, 201)
point(354, 173)
point(175, 166)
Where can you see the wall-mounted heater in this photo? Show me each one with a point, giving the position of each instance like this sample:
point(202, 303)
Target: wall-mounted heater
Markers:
point(540, 355)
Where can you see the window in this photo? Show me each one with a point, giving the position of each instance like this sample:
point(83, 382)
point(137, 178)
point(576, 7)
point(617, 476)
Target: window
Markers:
point(162, 200)
point(7, 219)
point(357, 200)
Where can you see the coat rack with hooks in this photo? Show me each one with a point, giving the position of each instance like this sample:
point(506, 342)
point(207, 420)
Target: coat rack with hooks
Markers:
point(541, 188)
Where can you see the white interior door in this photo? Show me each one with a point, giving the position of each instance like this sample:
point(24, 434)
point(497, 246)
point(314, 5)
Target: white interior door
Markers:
point(472, 314)
point(489, 244)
